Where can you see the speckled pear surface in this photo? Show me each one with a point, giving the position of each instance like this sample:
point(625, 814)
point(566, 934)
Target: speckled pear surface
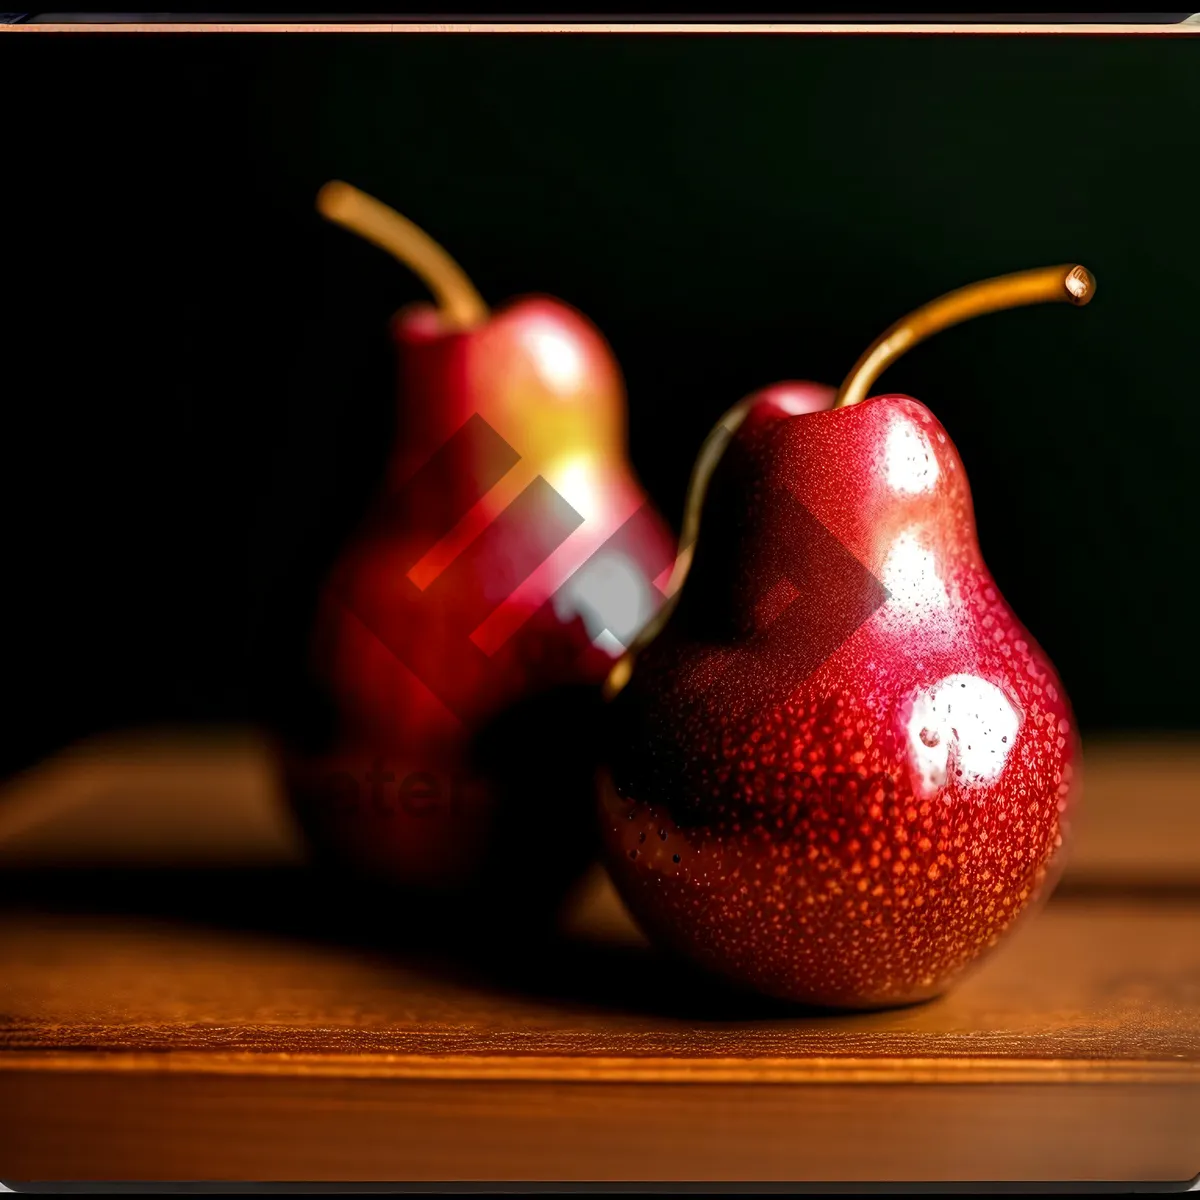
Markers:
point(843, 768)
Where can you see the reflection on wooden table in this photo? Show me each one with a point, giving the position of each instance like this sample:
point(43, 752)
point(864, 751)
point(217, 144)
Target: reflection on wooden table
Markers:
point(187, 1001)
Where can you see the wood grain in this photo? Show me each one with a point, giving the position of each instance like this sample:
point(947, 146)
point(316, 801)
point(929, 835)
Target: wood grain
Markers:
point(1056, 1001)
point(235, 1015)
point(148, 1126)
point(1139, 820)
point(131, 1048)
point(214, 797)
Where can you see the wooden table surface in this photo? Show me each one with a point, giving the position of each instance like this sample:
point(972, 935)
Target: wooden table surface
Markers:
point(181, 998)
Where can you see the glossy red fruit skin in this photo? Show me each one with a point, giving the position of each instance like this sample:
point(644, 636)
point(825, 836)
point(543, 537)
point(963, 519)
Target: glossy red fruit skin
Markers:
point(486, 791)
point(793, 397)
point(833, 792)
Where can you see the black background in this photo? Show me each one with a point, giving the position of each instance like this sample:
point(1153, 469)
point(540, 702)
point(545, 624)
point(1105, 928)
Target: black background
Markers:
point(198, 389)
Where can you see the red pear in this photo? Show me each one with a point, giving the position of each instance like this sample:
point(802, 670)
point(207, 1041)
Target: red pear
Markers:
point(840, 767)
point(465, 630)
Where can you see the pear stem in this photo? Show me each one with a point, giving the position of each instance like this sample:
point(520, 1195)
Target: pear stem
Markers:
point(706, 463)
point(344, 205)
point(1071, 284)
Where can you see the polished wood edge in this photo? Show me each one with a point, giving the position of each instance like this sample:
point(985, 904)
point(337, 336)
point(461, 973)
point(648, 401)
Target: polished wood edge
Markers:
point(568, 1069)
point(626, 28)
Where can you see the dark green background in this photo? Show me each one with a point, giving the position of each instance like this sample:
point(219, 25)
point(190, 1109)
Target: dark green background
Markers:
point(198, 385)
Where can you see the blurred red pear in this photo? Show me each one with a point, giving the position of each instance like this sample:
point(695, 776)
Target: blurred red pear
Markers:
point(465, 630)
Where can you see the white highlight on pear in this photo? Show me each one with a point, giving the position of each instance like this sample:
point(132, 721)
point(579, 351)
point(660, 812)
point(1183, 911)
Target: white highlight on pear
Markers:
point(574, 479)
point(797, 403)
point(962, 729)
point(612, 596)
point(908, 458)
point(558, 359)
point(910, 574)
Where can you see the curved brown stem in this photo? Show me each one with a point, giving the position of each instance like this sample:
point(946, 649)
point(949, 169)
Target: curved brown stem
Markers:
point(1071, 284)
point(706, 462)
point(374, 221)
